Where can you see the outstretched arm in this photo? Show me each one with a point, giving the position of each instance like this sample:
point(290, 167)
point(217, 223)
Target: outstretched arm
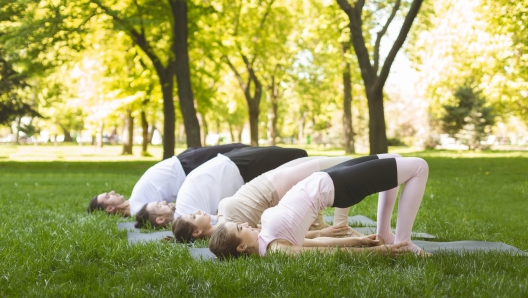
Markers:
point(341, 242)
point(288, 248)
point(331, 231)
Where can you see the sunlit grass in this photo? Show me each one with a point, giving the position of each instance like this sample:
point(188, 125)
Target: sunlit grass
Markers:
point(50, 246)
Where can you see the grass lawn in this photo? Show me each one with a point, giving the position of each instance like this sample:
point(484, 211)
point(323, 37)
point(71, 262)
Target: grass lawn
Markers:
point(50, 246)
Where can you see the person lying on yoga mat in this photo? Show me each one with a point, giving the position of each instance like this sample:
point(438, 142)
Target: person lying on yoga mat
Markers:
point(216, 179)
point(261, 193)
point(284, 226)
point(161, 182)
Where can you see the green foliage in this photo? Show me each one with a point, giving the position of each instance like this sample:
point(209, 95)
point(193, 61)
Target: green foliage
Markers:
point(11, 104)
point(468, 119)
point(49, 246)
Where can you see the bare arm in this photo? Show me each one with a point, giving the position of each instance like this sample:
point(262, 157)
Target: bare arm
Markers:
point(331, 231)
point(220, 220)
point(290, 249)
point(342, 242)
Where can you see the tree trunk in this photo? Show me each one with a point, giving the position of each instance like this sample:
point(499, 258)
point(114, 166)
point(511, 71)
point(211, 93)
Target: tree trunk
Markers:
point(377, 129)
point(151, 132)
point(272, 123)
point(272, 111)
point(231, 133)
point(128, 133)
point(253, 103)
point(145, 130)
point(17, 136)
point(373, 80)
point(170, 116)
point(183, 77)
point(67, 135)
point(205, 128)
point(240, 130)
point(300, 135)
point(348, 133)
point(253, 126)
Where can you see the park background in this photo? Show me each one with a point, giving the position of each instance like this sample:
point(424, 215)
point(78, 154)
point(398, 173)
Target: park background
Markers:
point(94, 92)
point(437, 74)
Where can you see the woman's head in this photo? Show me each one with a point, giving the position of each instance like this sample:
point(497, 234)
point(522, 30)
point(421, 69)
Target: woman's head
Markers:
point(107, 201)
point(234, 240)
point(189, 227)
point(158, 214)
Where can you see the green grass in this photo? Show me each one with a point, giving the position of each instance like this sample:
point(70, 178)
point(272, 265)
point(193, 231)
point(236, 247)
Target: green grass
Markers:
point(49, 246)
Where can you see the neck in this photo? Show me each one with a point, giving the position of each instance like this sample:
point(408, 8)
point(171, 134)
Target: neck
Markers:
point(254, 248)
point(124, 209)
point(209, 231)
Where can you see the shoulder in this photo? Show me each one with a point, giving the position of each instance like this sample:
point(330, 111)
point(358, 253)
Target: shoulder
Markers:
point(279, 245)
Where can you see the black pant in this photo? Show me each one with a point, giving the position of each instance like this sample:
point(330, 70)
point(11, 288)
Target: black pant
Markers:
point(360, 177)
point(255, 161)
point(193, 157)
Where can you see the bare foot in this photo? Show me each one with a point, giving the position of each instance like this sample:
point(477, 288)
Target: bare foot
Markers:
point(417, 251)
point(354, 233)
point(381, 241)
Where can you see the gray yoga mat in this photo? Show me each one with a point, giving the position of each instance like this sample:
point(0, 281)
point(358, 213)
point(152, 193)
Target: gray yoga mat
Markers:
point(356, 219)
point(372, 230)
point(201, 253)
point(135, 237)
point(467, 246)
point(196, 253)
point(127, 226)
point(428, 246)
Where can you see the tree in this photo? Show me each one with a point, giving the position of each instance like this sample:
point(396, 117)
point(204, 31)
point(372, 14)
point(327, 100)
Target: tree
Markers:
point(11, 105)
point(249, 52)
point(255, 47)
point(507, 19)
point(374, 76)
point(142, 26)
point(468, 118)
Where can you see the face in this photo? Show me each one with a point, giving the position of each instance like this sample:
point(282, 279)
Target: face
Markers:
point(247, 234)
point(162, 209)
point(200, 219)
point(110, 199)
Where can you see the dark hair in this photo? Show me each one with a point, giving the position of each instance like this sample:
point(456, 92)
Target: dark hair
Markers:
point(144, 217)
point(95, 205)
point(183, 230)
point(224, 244)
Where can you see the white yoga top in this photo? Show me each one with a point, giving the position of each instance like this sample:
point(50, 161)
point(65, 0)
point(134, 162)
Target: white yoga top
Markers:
point(292, 217)
point(206, 185)
point(161, 182)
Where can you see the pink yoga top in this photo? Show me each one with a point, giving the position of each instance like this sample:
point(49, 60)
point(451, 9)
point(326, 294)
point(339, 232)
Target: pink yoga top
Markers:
point(292, 217)
point(285, 178)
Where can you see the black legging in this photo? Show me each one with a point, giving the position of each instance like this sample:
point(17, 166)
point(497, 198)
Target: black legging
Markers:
point(255, 161)
point(193, 157)
point(360, 177)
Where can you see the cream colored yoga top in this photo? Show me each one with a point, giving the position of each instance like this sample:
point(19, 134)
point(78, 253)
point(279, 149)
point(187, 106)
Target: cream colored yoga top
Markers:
point(263, 192)
point(250, 201)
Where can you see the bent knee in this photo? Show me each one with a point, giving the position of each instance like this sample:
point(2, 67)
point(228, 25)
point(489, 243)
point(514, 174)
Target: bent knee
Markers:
point(421, 165)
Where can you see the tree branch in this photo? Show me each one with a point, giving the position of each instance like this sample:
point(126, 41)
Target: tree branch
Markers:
point(406, 27)
point(140, 18)
point(345, 6)
point(136, 36)
point(237, 74)
point(260, 27)
point(382, 32)
point(358, 41)
point(237, 19)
